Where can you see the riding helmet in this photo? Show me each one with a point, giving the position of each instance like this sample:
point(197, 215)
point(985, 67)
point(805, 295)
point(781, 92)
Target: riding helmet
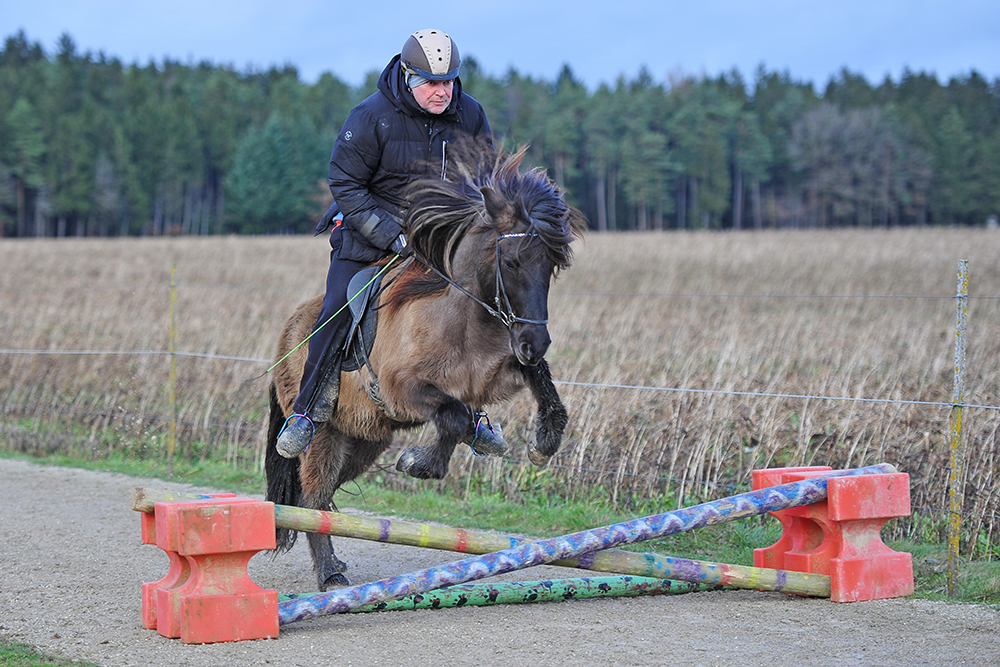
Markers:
point(431, 54)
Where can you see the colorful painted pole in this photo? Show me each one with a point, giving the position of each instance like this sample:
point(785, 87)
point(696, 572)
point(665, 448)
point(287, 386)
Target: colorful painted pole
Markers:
point(518, 592)
point(472, 542)
point(741, 506)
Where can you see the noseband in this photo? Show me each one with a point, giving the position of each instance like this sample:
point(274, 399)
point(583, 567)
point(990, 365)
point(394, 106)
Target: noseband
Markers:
point(503, 311)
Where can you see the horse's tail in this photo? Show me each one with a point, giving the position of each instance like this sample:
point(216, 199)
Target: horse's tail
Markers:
point(283, 484)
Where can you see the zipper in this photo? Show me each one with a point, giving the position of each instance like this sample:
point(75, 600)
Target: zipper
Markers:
point(444, 149)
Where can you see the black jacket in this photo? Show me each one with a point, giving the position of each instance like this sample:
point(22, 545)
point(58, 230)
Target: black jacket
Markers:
point(387, 142)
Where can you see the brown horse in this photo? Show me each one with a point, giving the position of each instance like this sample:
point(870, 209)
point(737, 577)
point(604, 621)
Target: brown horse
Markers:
point(462, 324)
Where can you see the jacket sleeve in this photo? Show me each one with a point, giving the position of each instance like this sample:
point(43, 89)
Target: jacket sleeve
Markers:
point(355, 158)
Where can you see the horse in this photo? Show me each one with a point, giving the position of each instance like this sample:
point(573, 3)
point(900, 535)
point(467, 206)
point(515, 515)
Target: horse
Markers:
point(489, 232)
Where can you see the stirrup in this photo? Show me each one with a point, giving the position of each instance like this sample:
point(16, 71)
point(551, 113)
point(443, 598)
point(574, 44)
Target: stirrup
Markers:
point(488, 439)
point(294, 438)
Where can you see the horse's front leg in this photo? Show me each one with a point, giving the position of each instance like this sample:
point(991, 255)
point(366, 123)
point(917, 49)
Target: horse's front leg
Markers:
point(551, 420)
point(453, 422)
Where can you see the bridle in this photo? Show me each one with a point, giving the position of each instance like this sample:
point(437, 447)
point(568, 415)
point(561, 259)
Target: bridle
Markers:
point(503, 311)
point(507, 315)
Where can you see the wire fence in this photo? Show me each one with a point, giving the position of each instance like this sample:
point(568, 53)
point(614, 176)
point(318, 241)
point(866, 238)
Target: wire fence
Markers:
point(696, 295)
point(595, 385)
point(242, 426)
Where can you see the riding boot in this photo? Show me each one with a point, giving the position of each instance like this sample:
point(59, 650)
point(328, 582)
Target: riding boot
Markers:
point(327, 397)
point(485, 437)
point(327, 391)
point(295, 435)
point(317, 400)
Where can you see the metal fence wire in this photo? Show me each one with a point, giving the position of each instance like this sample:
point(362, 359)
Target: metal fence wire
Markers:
point(230, 425)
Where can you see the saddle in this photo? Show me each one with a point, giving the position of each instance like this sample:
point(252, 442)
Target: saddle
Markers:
point(352, 348)
point(361, 292)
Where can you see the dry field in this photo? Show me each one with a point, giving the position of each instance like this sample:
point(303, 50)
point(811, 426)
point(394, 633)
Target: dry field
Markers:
point(736, 317)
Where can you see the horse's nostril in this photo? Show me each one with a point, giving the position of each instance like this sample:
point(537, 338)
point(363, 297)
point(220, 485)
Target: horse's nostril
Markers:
point(530, 343)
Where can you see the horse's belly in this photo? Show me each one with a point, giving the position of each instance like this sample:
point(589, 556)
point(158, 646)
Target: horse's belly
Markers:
point(357, 415)
point(490, 384)
point(435, 353)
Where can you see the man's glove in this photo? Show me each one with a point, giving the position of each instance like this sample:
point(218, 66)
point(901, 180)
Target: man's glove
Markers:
point(380, 229)
point(401, 247)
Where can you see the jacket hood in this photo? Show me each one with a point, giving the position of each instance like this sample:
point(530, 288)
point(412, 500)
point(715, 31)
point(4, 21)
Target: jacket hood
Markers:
point(391, 83)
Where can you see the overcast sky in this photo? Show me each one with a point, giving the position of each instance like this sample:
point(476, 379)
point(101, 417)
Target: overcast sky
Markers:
point(598, 39)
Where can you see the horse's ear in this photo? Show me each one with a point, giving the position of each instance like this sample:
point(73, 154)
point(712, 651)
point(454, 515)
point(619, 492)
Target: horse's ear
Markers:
point(494, 203)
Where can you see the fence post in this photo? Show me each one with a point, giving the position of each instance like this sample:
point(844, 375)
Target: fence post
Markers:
point(956, 459)
point(172, 380)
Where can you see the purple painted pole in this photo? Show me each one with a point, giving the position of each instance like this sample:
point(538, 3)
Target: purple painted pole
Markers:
point(741, 506)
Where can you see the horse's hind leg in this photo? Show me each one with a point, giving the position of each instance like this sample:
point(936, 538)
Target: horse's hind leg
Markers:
point(551, 420)
point(319, 474)
point(453, 421)
point(333, 460)
point(329, 569)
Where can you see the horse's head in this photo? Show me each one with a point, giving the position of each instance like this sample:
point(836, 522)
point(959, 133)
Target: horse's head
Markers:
point(509, 231)
point(521, 273)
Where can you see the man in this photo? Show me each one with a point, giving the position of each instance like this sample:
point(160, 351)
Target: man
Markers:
point(398, 134)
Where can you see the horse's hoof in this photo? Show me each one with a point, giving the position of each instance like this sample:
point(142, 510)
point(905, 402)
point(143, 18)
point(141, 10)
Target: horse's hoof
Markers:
point(413, 464)
point(538, 458)
point(295, 437)
point(489, 441)
point(333, 581)
point(407, 461)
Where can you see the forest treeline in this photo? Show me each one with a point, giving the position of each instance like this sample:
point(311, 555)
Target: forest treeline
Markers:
point(90, 146)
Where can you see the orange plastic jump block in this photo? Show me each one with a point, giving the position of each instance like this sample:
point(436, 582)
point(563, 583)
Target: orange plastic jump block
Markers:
point(841, 536)
point(179, 570)
point(207, 596)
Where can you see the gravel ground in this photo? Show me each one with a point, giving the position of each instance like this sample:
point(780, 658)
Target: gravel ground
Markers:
point(72, 565)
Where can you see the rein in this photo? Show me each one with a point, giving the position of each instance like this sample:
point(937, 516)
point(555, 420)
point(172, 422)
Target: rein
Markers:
point(506, 316)
point(503, 311)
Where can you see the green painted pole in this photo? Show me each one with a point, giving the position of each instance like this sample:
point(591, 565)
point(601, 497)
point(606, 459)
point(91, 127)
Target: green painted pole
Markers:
point(472, 542)
point(579, 544)
point(520, 592)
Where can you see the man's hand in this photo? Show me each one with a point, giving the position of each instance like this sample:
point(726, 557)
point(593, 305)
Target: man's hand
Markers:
point(329, 219)
point(401, 247)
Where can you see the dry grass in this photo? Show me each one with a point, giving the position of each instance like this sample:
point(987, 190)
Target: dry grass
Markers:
point(704, 311)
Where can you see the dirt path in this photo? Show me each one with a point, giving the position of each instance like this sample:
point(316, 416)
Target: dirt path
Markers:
point(72, 563)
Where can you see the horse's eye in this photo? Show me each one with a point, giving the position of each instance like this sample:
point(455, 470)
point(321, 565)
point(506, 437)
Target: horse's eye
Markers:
point(510, 264)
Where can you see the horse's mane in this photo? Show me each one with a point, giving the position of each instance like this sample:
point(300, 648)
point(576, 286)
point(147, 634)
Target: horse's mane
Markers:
point(444, 211)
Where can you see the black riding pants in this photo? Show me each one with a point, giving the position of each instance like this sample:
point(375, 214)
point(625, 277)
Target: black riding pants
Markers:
point(340, 274)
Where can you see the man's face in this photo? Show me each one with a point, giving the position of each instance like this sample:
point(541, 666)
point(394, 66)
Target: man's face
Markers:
point(434, 96)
